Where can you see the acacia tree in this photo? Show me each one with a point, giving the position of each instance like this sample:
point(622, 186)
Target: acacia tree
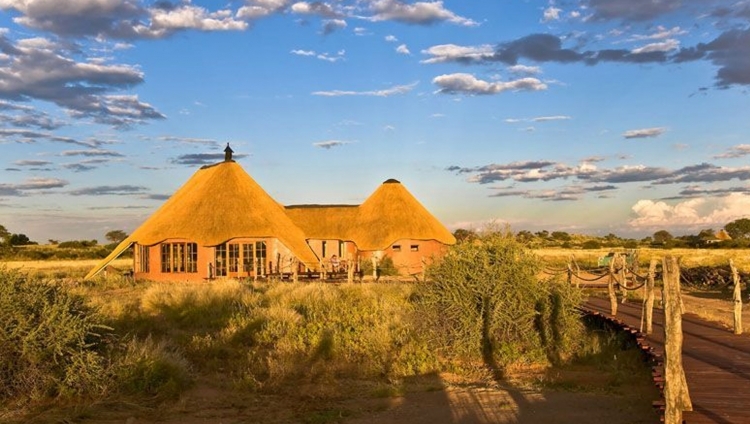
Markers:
point(485, 297)
point(739, 228)
point(662, 236)
point(116, 236)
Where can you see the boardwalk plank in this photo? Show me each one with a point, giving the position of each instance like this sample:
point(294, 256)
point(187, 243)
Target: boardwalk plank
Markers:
point(717, 363)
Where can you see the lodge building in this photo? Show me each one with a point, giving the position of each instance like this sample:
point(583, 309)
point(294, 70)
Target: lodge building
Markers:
point(221, 223)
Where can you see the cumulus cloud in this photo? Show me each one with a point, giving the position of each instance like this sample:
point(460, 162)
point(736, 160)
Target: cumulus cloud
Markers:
point(461, 83)
point(329, 144)
point(417, 13)
point(391, 38)
point(738, 151)
point(691, 213)
point(551, 14)
point(123, 19)
point(662, 46)
point(403, 49)
point(332, 25)
point(41, 69)
point(328, 57)
point(398, 89)
point(315, 8)
point(443, 53)
point(32, 184)
point(644, 132)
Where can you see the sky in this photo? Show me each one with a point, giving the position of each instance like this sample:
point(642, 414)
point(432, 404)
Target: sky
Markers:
point(586, 116)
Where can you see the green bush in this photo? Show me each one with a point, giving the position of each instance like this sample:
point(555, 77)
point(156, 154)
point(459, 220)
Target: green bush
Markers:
point(483, 300)
point(49, 341)
point(386, 267)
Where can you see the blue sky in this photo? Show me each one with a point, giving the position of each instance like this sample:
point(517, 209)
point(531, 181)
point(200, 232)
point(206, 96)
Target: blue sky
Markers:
point(588, 116)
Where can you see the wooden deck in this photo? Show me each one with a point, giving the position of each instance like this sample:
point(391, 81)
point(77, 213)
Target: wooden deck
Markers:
point(717, 363)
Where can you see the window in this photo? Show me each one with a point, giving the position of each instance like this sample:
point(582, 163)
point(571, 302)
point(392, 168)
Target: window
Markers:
point(341, 249)
point(247, 257)
point(323, 247)
point(179, 257)
point(220, 260)
point(234, 257)
point(142, 260)
point(260, 255)
point(396, 247)
point(414, 248)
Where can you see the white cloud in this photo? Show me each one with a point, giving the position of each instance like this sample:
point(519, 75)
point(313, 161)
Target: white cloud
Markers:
point(420, 13)
point(260, 8)
point(575, 14)
point(331, 25)
point(360, 31)
point(187, 16)
point(551, 14)
point(391, 38)
point(328, 57)
point(661, 33)
point(691, 213)
point(303, 52)
point(734, 152)
point(644, 132)
point(664, 46)
point(398, 89)
point(402, 49)
point(524, 69)
point(550, 118)
point(451, 52)
point(461, 83)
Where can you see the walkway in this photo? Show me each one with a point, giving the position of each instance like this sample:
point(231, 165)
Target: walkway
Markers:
point(717, 363)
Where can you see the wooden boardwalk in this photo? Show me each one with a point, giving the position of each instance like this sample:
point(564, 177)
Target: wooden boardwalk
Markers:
point(717, 363)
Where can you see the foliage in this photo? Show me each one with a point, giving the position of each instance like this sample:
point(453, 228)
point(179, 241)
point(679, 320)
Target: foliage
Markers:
point(462, 235)
point(19, 240)
point(4, 234)
point(739, 228)
point(386, 267)
point(484, 300)
point(662, 236)
point(591, 244)
point(49, 342)
point(77, 244)
point(116, 236)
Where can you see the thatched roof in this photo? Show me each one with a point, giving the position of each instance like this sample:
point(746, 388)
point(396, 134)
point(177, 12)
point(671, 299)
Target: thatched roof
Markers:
point(391, 213)
point(723, 235)
point(218, 203)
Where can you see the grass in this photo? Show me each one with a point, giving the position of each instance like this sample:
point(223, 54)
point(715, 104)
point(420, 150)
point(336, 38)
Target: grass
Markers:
point(559, 257)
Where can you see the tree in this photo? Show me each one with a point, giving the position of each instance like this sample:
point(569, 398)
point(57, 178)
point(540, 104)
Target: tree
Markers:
point(662, 236)
point(19, 240)
point(116, 236)
point(4, 234)
point(463, 235)
point(739, 228)
point(560, 235)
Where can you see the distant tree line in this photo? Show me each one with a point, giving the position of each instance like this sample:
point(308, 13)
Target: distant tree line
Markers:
point(20, 247)
point(735, 234)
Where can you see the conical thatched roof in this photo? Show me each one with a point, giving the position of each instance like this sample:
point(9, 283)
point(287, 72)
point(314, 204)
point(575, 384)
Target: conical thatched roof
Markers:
point(392, 213)
point(218, 203)
point(325, 221)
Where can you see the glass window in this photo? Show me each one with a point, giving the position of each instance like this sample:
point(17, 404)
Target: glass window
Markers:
point(260, 257)
point(415, 248)
point(142, 258)
point(165, 258)
point(396, 247)
point(247, 257)
point(220, 260)
point(176, 257)
point(323, 248)
point(234, 257)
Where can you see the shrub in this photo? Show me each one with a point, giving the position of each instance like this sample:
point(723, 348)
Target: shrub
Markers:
point(386, 267)
point(49, 341)
point(484, 300)
point(591, 244)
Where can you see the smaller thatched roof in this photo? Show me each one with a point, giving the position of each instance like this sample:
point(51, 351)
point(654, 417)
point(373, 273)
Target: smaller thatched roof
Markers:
point(391, 213)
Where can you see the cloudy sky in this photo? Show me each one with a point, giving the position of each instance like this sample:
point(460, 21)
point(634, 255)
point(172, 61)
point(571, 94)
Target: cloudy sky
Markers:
point(589, 116)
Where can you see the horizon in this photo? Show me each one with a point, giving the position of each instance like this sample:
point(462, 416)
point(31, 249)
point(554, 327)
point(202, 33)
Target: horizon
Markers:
point(583, 116)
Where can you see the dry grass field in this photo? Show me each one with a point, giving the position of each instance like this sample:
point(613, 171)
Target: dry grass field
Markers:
point(690, 257)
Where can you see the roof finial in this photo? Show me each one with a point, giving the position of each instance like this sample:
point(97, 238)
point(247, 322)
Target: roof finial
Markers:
point(228, 153)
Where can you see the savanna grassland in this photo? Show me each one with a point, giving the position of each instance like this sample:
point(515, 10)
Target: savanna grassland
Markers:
point(483, 341)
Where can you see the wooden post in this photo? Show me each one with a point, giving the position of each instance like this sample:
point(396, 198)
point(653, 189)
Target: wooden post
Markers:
point(611, 287)
point(295, 270)
point(374, 261)
point(649, 298)
point(737, 299)
point(577, 272)
point(623, 277)
point(349, 270)
point(676, 393)
point(322, 270)
point(570, 274)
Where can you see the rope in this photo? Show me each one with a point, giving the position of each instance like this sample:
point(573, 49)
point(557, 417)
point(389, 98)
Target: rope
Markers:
point(593, 279)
